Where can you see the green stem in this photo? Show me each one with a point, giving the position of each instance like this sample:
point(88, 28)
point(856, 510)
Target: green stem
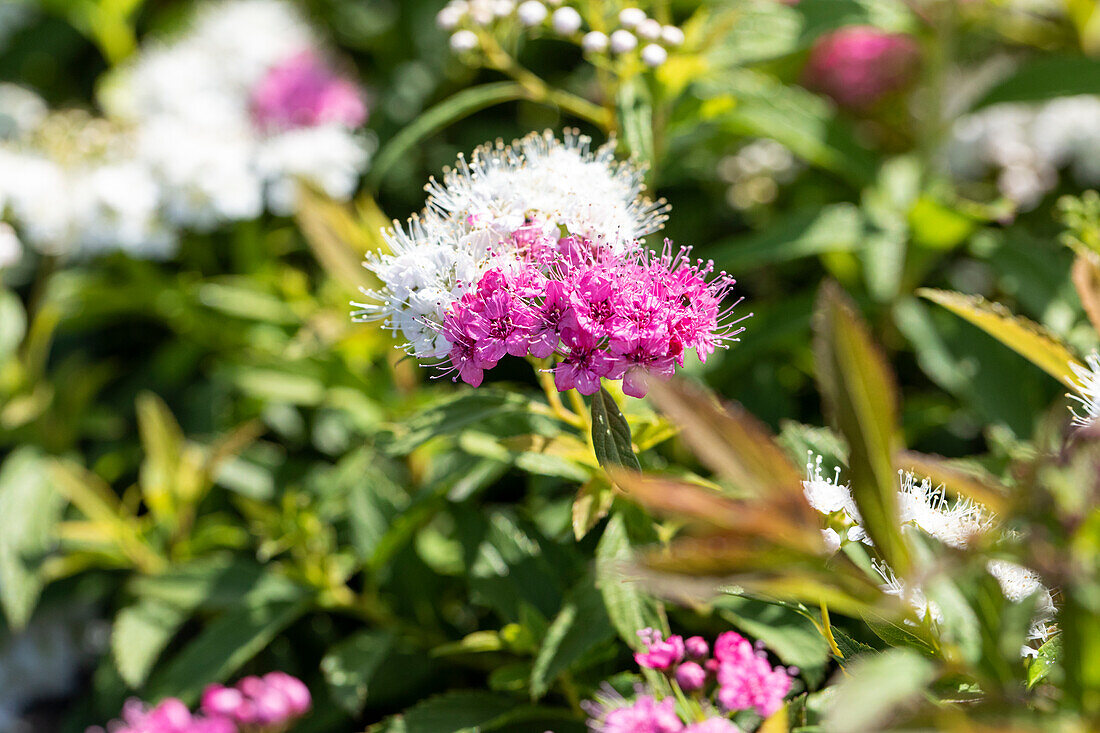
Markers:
point(538, 89)
point(553, 397)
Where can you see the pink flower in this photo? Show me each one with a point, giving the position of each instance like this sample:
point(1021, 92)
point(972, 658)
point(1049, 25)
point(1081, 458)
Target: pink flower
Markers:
point(690, 676)
point(732, 647)
point(646, 715)
point(295, 691)
point(584, 364)
point(859, 65)
point(659, 654)
point(747, 681)
point(303, 92)
point(696, 647)
point(221, 700)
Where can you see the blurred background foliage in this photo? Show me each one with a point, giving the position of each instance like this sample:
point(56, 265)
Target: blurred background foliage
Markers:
point(210, 469)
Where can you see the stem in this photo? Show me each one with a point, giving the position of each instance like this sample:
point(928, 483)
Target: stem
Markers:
point(569, 689)
point(553, 397)
point(827, 631)
point(538, 89)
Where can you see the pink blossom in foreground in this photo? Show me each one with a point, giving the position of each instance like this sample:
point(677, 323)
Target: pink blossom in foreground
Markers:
point(599, 314)
point(859, 65)
point(303, 91)
point(713, 725)
point(746, 680)
point(691, 677)
point(646, 715)
point(169, 716)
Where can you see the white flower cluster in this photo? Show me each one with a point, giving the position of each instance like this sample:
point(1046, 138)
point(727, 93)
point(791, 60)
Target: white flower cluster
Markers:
point(1088, 388)
point(540, 181)
point(756, 171)
point(1026, 146)
point(927, 509)
point(180, 146)
point(634, 28)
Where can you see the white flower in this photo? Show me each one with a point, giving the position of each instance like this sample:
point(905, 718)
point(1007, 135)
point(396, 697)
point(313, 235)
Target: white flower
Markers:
point(825, 493)
point(631, 17)
point(623, 41)
point(594, 42)
point(567, 21)
point(463, 41)
point(1087, 384)
point(531, 12)
point(910, 593)
point(11, 249)
point(672, 36)
point(654, 55)
point(449, 17)
point(649, 29)
point(563, 182)
point(953, 524)
point(21, 111)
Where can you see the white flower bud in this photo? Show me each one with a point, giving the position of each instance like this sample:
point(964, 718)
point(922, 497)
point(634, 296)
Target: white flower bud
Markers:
point(555, 3)
point(672, 35)
point(566, 21)
point(532, 12)
point(11, 249)
point(463, 41)
point(649, 29)
point(501, 8)
point(594, 41)
point(631, 17)
point(654, 55)
point(623, 41)
point(449, 17)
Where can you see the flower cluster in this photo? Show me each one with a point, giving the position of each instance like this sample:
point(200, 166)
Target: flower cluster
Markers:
point(633, 33)
point(619, 316)
point(199, 130)
point(737, 677)
point(1025, 146)
point(927, 509)
point(859, 65)
point(268, 704)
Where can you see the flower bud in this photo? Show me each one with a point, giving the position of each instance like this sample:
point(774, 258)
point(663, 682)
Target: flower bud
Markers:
point(531, 13)
point(859, 65)
point(631, 17)
point(672, 35)
point(649, 29)
point(654, 55)
point(696, 647)
point(623, 41)
point(221, 700)
point(463, 41)
point(690, 677)
point(566, 21)
point(594, 41)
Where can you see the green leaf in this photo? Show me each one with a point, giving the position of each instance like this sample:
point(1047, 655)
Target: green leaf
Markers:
point(350, 665)
point(1045, 661)
point(581, 624)
point(861, 399)
point(29, 509)
point(788, 633)
point(874, 688)
point(832, 228)
point(13, 324)
point(628, 606)
point(592, 503)
point(431, 121)
point(753, 103)
point(456, 712)
point(452, 415)
point(611, 434)
point(1046, 77)
point(1025, 337)
point(140, 633)
point(636, 121)
point(223, 646)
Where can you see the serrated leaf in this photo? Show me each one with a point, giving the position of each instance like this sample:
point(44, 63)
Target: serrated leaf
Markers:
point(30, 507)
point(861, 400)
point(628, 606)
point(1025, 337)
point(1045, 661)
point(350, 665)
point(581, 624)
point(611, 434)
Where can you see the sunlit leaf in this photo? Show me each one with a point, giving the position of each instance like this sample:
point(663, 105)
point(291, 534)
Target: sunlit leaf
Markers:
point(611, 433)
point(875, 688)
point(1025, 337)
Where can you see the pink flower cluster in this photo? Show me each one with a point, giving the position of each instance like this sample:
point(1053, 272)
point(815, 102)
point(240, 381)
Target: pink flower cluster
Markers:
point(255, 705)
point(601, 314)
point(859, 65)
point(738, 676)
point(303, 91)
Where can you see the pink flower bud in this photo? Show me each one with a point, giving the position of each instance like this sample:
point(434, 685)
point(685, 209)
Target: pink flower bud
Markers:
point(690, 677)
point(660, 654)
point(696, 647)
point(295, 691)
point(859, 65)
point(221, 700)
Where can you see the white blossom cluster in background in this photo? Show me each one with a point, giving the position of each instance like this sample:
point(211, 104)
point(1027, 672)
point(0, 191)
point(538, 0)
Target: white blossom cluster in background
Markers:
point(633, 32)
point(755, 173)
point(536, 183)
point(204, 128)
point(1027, 146)
point(926, 508)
